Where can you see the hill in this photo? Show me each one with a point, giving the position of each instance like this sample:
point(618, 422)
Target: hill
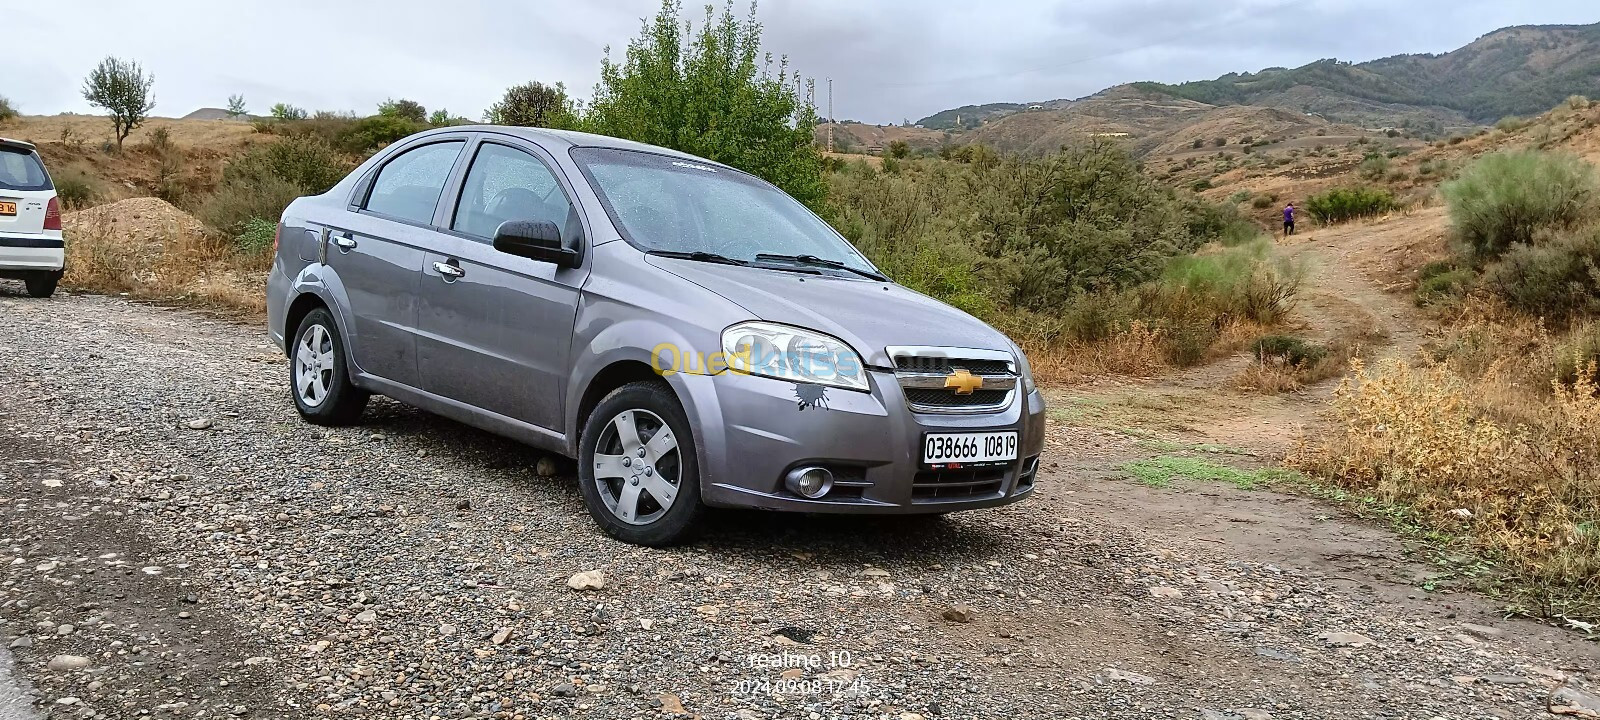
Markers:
point(1512, 71)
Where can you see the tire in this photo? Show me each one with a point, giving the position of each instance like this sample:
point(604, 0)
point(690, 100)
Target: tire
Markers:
point(319, 380)
point(611, 478)
point(42, 285)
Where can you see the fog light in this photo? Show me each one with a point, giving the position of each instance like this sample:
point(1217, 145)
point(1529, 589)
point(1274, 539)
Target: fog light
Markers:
point(809, 482)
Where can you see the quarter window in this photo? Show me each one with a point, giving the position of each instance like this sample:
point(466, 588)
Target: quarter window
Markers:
point(508, 184)
point(408, 187)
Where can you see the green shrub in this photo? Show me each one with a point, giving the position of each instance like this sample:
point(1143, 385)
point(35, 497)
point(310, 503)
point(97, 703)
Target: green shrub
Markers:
point(232, 205)
point(1348, 203)
point(305, 161)
point(256, 235)
point(1576, 353)
point(1239, 282)
point(1261, 202)
point(1510, 123)
point(1457, 139)
point(1240, 196)
point(1557, 276)
point(404, 109)
point(1507, 197)
point(6, 110)
point(367, 135)
point(1374, 167)
point(1293, 350)
point(75, 190)
point(1200, 185)
point(1445, 287)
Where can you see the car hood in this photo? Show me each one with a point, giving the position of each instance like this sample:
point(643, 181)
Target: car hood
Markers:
point(868, 315)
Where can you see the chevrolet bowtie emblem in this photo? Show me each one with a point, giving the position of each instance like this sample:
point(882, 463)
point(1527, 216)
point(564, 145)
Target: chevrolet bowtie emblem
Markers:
point(963, 382)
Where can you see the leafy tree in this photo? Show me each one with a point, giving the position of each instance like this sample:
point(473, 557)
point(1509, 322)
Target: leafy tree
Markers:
point(236, 105)
point(6, 110)
point(441, 118)
point(535, 104)
point(285, 111)
point(899, 149)
point(123, 89)
point(713, 93)
point(404, 109)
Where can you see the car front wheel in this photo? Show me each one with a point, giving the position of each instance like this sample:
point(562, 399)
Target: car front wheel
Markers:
point(319, 377)
point(42, 285)
point(637, 467)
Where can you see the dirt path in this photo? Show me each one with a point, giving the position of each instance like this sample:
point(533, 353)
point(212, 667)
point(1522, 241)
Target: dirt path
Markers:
point(255, 566)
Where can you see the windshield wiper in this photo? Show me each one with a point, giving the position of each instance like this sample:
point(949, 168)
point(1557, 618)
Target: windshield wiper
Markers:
point(698, 256)
point(819, 262)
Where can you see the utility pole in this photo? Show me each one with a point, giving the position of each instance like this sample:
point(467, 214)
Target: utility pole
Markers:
point(829, 114)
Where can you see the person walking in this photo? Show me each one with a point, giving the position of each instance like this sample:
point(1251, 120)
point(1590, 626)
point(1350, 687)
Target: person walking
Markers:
point(1288, 220)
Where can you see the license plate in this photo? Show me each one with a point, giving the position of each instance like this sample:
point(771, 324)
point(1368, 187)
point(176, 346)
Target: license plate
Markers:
point(968, 448)
point(7, 207)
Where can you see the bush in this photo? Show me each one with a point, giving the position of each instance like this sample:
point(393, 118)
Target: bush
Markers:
point(1293, 350)
point(1578, 356)
point(899, 149)
point(6, 110)
point(535, 104)
point(75, 190)
point(1348, 203)
point(1439, 286)
point(256, 235)
point(229, 208)
point(369, 134)
point(1510, 123)
point(262, 182)
point(1261, 202)
point(1374, 167)
point(410, 110)
point(285, 111)
point(1506, 197)
point(1557, 277)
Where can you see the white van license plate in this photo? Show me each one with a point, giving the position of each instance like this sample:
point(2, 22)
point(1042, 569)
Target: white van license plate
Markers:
point(968, 448)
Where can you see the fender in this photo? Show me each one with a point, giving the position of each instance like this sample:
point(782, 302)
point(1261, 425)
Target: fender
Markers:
point(621, 342)
point(323, 282)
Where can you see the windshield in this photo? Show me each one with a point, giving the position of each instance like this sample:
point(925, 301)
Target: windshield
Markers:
point(668, 204)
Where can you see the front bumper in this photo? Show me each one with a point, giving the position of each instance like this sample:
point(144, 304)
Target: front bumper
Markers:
point(871, 441)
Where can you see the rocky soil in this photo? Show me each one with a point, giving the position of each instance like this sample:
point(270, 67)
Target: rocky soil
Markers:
point(174, 542)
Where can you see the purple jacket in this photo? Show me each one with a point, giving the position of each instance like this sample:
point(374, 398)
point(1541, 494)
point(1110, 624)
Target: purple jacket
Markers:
point(1288, 214)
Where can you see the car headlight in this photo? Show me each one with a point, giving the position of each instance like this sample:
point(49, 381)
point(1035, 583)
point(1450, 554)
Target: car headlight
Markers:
point(1024, 369)
point(793, 354)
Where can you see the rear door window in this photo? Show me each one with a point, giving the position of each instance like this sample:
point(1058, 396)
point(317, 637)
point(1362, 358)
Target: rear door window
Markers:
point(21, 170)
point(408, 187)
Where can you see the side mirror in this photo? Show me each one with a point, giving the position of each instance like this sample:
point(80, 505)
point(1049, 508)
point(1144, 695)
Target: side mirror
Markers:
point(536, 240)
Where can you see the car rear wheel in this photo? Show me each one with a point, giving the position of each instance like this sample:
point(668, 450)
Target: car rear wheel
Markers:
point(42, 285)
point(319, 377)
point(637, 467)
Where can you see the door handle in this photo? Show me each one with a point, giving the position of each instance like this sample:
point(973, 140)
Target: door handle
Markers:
point(450, 272)
point(345, 242)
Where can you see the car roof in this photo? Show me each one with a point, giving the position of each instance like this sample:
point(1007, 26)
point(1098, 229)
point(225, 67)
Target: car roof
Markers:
point(18, 144)
point(562, 139)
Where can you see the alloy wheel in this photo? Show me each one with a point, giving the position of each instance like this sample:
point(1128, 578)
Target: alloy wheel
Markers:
point(313, 365)
point(637, 467)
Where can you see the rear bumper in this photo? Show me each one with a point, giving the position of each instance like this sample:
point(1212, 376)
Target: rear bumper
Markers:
point(758, 431)
point(32, 253)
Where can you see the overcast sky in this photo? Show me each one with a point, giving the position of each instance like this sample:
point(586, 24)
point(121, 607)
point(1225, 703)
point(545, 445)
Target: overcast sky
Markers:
point(889, 59)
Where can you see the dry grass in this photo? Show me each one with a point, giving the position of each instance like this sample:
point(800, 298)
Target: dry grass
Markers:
point(1138, 351)
point(177, 264)
point(1514, 469)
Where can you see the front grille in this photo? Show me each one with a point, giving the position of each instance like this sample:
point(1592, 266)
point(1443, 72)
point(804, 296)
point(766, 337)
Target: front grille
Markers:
point(945, 398)
point(924, 374)
point(945, 366)
point(958, 483)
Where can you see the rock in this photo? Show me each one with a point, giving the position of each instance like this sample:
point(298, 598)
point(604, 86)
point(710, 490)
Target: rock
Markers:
point(22, 642)
point(960, 614)
point(1462, 513)
point(1483, 631)
point(501, 636)
point(590, 580)
point(546, 467)
point(874, 572)
point(199, 424)
point(259, 660)
point(65, 629)
point(367, 616)
point(1165, 592)
point(671, 704)
point(464, 505)
point(564, 690)
point(1345, 639)
point(447, 629)
point(68, 700)
point(62, 663)
point(1276, 654)
point(646, 623)
point(1128, 677)
point(1568, 700)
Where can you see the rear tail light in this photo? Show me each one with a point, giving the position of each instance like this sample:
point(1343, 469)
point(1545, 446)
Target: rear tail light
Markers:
point(276, 236)
point(52, 215)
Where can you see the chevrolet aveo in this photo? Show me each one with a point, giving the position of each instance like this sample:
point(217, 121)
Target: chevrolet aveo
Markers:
point(690, 334)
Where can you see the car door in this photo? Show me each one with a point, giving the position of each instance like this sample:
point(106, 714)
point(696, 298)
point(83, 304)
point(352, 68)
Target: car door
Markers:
point(378, 250)
point(495, 329)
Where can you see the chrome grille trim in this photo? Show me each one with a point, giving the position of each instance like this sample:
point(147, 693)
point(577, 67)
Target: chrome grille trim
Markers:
point(925, 368)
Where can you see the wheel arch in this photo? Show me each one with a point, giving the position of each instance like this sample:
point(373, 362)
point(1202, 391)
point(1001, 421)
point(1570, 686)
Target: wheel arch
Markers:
point(611, 377)
point(299, 308)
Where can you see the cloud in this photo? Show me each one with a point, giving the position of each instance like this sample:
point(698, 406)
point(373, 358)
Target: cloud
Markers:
point(890, 60)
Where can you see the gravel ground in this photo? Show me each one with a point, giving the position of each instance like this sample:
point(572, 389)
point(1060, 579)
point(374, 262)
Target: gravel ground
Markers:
point(178, 544)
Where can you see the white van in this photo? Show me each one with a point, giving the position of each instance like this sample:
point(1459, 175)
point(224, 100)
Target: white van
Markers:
point(31, 246)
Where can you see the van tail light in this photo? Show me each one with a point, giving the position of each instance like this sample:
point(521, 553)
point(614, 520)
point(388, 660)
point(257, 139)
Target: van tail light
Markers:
point(276, 236)
point(52, 215)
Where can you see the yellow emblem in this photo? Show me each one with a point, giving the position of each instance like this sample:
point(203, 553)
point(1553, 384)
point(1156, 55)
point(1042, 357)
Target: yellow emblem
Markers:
point(963, 382)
